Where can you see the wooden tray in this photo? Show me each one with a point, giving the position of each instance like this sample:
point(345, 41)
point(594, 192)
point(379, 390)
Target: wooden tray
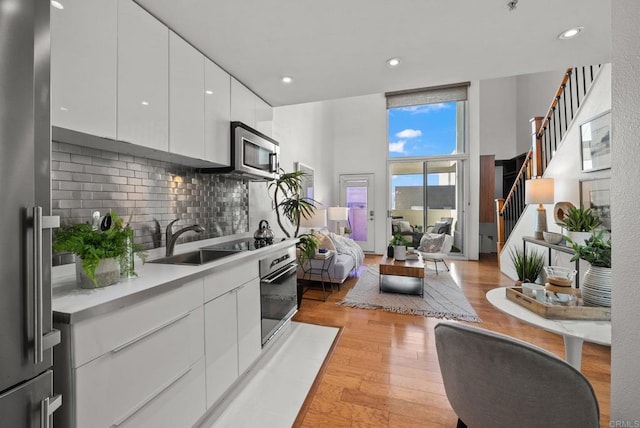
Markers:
point(557, 311)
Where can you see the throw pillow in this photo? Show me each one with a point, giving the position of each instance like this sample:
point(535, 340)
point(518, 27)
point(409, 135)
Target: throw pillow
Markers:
point(395, 228)
point(429, 244)
point(405, 227)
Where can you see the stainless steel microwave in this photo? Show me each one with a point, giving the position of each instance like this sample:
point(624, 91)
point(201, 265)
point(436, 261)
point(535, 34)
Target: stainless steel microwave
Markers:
point(254, 156)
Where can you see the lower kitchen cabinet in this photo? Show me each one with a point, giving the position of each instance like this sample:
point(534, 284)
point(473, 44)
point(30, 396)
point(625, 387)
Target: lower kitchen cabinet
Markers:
point(232, 349)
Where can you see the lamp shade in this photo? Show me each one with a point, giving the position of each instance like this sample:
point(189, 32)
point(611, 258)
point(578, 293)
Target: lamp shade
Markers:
point(539, 191)
point(338, 213)
point(317, 220)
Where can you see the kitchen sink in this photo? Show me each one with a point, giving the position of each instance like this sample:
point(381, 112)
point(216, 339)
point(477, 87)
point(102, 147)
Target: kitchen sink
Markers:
point(195, 258)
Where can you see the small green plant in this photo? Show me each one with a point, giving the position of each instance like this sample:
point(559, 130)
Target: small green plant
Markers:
point(399, 240)
point(596, 250)
point(308, 245)
point(347, 230)
point(93, 245)
point(580, 220)
point(533, 263)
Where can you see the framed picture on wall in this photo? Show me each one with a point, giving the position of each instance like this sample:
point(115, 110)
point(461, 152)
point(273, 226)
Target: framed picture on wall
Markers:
point(596, 194)
point(307, 179)
point(595, 142)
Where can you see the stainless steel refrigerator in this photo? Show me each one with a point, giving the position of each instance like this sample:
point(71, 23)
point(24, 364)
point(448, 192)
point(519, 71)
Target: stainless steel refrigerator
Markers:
point(26, 337)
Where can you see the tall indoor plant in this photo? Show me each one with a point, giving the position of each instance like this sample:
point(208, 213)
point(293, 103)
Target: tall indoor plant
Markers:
point(290, 204)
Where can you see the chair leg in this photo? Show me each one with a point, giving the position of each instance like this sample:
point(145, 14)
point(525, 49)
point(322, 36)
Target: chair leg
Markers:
point(435, 262)
point(445, 264)
point(461, 424)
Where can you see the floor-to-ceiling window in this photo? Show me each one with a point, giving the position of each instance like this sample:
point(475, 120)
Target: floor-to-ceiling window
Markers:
point(428, 158)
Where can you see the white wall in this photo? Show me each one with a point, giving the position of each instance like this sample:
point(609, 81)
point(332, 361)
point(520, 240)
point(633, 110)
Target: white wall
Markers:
point(534, 95)
point(497, 120)
point(625, 377)
point(565, 168)
point(360, 146)
point(304, 134)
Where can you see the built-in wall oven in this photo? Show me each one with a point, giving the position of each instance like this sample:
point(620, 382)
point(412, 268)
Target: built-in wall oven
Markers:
point(278, 291)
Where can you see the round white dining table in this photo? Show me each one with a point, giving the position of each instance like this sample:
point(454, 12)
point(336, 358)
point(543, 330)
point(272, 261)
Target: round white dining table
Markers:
point(574, 332)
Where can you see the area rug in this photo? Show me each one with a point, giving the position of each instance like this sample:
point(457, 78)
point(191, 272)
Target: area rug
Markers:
point(443, 298)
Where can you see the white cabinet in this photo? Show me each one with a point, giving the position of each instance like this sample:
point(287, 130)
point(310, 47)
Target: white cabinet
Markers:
point(264, 117)
point(83, 66)
point(217, 114)
point(243, 104)
point(143, 78)
point(186, 95)
point(249, 325)
point(221, 345)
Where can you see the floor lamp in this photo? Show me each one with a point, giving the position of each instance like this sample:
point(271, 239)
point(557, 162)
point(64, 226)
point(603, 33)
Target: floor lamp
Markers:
point(338, 214)
point(539, 191)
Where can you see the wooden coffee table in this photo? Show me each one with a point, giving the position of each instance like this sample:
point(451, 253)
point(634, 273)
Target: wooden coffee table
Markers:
point(405, 277)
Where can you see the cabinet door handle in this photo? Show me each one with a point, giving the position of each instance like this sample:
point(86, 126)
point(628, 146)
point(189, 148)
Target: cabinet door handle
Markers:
point(148, 333)
point(151, 397)
point(47, 407)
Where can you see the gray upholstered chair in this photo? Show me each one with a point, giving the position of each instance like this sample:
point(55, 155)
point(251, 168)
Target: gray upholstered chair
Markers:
point(492, 380)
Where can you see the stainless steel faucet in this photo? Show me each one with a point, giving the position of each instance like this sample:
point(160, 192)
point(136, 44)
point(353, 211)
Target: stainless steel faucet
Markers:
point(172, 237)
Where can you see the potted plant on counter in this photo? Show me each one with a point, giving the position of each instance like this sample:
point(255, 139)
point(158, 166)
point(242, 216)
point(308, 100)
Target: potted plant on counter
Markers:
point(597, 281)
point(399, 244)
point(580, 223)
point(99, 251)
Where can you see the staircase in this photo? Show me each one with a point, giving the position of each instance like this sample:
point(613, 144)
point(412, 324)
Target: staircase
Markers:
point(547, 134)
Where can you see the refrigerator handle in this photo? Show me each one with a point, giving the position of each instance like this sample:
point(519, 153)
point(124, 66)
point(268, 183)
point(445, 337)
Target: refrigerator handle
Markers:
point(47, 407)
point(40, 223)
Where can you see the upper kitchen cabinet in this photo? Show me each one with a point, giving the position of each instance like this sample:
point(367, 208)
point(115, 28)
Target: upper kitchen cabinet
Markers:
point(217, 114)
point(243, 104)
point(250, 109)
point(83, 66)
point(186, 92)
point(264, 117)
point(143, 78)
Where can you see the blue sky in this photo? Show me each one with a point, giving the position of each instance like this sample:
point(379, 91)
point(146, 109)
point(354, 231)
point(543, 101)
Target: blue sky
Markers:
point(424, 130)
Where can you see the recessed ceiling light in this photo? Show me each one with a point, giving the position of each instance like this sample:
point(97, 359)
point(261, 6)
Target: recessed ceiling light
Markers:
point(393, 62)
point(64, 109)
point(145, 103)
point(570, 33)
point(287, 79)
point(208, 92)
point(57, 4)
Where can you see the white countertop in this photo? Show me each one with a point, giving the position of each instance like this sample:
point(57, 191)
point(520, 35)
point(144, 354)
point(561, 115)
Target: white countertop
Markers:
point(72, 304)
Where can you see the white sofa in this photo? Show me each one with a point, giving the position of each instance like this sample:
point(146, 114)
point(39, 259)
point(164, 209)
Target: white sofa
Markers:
point(347, 258)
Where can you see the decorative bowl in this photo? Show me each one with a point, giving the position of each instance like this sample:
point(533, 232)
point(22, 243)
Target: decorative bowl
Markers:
point(560, 276)
point(552, 237)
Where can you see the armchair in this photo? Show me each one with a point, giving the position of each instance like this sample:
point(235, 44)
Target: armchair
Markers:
point(435, 247)
point(492, 380)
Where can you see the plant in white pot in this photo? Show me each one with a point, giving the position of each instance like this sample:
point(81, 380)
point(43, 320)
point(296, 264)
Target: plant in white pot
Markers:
point(399, 244)
point(100, 252)
point(596, 285)
point(580, 223)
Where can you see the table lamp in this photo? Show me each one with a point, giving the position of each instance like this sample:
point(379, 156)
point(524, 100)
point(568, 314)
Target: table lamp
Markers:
point(317, 220)
point(338, 214)
point(539, 191)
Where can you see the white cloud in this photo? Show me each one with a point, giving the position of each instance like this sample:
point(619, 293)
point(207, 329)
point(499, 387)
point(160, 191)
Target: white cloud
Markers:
point(427, 108)
point(409, 133)
point(397, 147)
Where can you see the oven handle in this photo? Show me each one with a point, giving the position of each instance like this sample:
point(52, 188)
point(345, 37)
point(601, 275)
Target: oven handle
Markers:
point(280, 274)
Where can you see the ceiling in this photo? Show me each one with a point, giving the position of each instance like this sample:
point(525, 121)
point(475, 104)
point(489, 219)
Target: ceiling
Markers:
point(339, 48)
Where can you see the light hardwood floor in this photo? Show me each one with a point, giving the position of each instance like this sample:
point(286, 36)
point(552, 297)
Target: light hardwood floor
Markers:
point(384, 369)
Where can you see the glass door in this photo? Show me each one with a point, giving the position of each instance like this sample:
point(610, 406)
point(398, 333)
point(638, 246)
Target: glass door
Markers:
point(427, 196)
point(356, 193)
